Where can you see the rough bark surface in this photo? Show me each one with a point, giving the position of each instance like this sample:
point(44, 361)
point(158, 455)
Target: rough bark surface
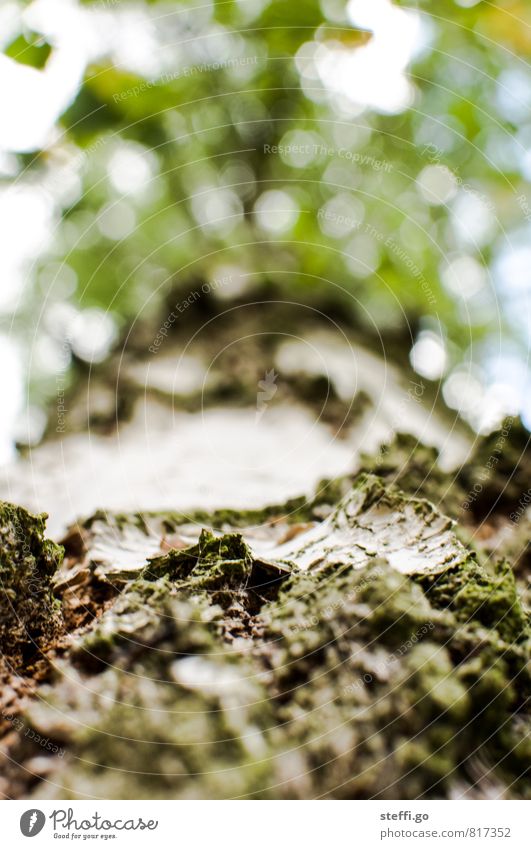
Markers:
point(356, 645)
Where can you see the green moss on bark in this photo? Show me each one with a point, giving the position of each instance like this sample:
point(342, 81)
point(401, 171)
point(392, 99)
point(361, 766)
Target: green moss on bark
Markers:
point(474, 595)
point(29, 614)
point(348, 679)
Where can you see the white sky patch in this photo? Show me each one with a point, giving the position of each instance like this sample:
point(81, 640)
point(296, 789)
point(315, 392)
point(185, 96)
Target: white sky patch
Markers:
point(428, 355)
point(135, 42)
point(499, 401)
point(58, 279)
point(437, 184)
point(49, 356)
point(374, 75)
point(299, 148)
point(31, 100)
point(525, 164)
point(9, 166)
point(229, 281)
point(473, 220)
point(340, 215)
point(92, 335)
point(513, 270)
point(362, 255)
point(512, 276)
point(276, 211)
point(11, 387)
point(217, 210)
point(507, 385)
point(117, 220)
point(26, 216)
point(30, 428)
point(464, 277)
point(513, 94)
point(464, 391)
point(130, 168)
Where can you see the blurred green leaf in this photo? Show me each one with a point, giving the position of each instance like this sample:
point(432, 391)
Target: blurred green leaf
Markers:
point(29, 49)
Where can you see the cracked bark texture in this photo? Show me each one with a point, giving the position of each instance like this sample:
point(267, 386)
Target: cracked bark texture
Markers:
point(359, 644)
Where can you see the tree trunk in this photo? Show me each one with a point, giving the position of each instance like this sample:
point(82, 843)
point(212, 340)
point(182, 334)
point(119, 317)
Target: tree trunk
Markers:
point(347, 642)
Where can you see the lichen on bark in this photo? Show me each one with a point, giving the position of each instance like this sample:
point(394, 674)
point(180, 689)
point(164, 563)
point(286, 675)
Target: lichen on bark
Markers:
point(366, 653)
point(29, 613)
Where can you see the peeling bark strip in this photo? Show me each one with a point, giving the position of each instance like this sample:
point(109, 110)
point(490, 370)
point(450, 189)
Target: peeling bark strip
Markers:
point(280, 654)
point(371, 522)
